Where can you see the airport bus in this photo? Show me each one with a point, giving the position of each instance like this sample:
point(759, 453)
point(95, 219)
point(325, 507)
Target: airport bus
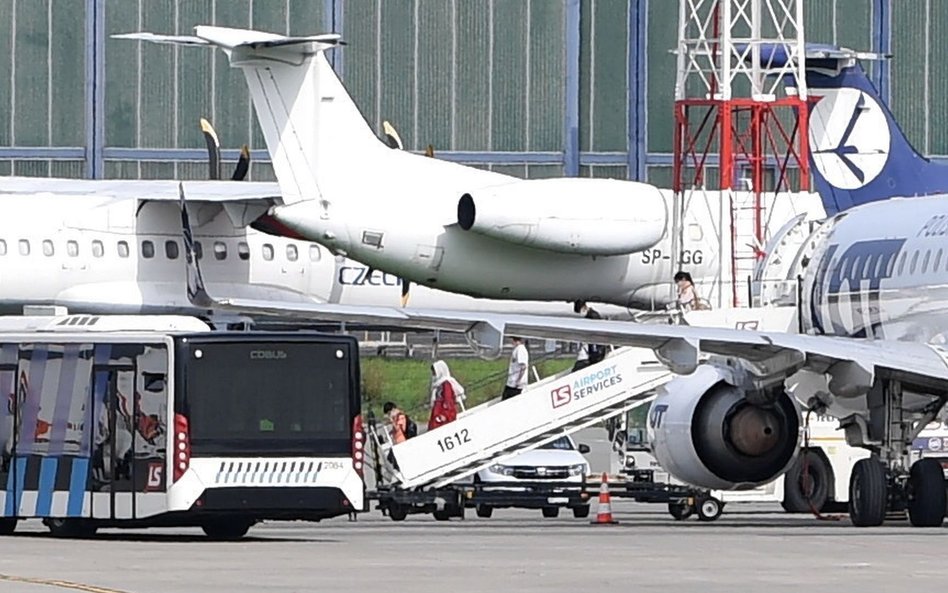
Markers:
point(140, 421)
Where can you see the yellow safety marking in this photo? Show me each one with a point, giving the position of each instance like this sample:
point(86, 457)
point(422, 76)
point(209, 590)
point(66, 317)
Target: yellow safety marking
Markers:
point(57, 583)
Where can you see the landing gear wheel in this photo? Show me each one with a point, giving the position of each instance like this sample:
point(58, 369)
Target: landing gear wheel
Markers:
point(551, 512)
point(709, 509)
point(799, 494)
point(926, 493)
point(7, 526)
point(70, 528)
point(868, 493)
point(581, 512)
point(483, 511)
point(226, 528)
point(680, 510)
point(397, 513)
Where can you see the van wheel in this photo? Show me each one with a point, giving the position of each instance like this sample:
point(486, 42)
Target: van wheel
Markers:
point(7, 526)
point(70, 528)
point(799, 494)
point(483, 511)
point(551, 512)
point(581, 512)
point(225, 529)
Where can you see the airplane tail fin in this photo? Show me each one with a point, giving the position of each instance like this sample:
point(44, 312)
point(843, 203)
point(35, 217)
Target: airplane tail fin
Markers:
point(858, 152)
point(312, 127)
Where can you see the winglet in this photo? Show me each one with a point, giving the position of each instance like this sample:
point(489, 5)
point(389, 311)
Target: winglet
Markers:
point(197, 293)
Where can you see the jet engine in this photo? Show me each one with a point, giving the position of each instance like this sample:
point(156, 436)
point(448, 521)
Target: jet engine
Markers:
point(578, 216)
point(705, 432)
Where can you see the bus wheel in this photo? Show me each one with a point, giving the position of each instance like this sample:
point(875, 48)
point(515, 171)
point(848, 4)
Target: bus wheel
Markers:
point(70, 527)
point(226, 528)
point(799, 493)
point(7, 526)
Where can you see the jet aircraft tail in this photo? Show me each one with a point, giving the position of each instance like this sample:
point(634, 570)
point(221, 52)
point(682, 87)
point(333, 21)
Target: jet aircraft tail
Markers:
point(295, 94)
point(858, 152)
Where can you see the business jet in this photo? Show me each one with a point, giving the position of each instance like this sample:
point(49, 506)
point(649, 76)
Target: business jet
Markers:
point(873, 319)
point(456, 228)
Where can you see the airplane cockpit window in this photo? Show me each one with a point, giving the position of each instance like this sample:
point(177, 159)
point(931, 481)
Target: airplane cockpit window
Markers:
point(220, 250)
point(171, 249)
point(148, 249)
point(268, 252)
point(3, 247)
point(198, 250)
point(24, 246)
point(314, 254)
point(292, 253)
point(48, 249)
point(72, 248)
point(98, 249)
point(123, 248)
point(243, 251)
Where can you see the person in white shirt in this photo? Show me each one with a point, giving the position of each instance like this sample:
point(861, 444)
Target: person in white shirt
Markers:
point(517, 371)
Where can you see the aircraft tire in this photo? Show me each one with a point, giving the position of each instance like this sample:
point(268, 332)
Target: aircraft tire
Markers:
point(926, 493)
point(868, 493)
point(795, 499)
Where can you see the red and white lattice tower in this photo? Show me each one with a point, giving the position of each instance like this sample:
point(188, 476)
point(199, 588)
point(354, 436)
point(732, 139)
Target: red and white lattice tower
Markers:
point(731, 105)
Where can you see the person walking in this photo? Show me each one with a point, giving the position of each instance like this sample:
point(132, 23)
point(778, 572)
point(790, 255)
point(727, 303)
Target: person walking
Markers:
point(517, 370)
point(446, 394)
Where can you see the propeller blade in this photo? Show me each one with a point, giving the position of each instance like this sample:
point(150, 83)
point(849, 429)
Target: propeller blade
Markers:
point(213, 150)
point(391, 136)
point(406, 285)
point(243, 164)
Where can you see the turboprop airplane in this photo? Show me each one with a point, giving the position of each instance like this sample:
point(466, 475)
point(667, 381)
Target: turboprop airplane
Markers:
point(448, 226)
point(731, 420)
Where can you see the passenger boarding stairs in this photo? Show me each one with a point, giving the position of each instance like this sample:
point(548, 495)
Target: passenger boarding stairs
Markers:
point(557, 405)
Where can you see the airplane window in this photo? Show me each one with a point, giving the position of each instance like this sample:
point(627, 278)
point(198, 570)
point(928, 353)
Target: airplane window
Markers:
point(3, 247)
point(48, 249)
point(220, 250)
point(314, 254)
point(914, 262)
point(928, 256)
point(72, 248)
point(98, 249)
point(123, 248)
point(268, 252)
point(937, 262)
point(171, 249)
point(148, 249)
point(292, 253)
point(901, 263)
point(24, 247)
point(198, 250)
point(243, 251)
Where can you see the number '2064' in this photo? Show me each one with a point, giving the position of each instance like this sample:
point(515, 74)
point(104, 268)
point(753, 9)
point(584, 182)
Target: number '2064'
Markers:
point(454, 440)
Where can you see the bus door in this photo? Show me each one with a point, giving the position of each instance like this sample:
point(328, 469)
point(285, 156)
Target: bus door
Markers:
point(12, 474)
point(114, 453)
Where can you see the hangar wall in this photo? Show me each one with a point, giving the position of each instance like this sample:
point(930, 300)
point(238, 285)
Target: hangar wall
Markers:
point(530, 87)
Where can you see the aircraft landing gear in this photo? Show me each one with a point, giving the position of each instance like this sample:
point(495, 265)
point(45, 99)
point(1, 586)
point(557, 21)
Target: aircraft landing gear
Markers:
point(887, 482)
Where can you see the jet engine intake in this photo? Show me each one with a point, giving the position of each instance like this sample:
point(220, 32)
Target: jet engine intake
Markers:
point(577, 216)
point(705, 432)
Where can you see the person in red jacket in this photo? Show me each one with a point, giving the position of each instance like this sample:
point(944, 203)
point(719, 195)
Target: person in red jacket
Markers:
point(446, 392)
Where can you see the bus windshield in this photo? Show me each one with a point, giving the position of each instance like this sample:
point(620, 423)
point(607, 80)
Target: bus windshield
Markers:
point(269, 398)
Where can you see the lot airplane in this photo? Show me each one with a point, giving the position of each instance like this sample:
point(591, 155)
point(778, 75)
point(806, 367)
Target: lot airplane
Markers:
point(448, 226)
point(731, 421)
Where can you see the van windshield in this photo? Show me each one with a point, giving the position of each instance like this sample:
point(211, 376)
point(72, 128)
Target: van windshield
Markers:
point(269, 398)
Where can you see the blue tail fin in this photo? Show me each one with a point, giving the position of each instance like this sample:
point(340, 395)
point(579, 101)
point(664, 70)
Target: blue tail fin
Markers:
point(858, 152)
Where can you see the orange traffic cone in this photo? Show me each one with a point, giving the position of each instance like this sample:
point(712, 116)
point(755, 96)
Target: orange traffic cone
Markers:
point(604, 511)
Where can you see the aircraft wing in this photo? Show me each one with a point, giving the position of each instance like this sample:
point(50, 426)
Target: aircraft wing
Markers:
point(150, 190)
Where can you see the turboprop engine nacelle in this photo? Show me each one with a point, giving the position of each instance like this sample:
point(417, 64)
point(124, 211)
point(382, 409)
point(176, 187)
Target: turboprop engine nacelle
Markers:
point(578, 216)
point(704, 432)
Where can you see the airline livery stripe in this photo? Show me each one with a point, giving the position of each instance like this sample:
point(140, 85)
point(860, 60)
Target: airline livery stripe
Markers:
point(47, 483)
point(15, 487)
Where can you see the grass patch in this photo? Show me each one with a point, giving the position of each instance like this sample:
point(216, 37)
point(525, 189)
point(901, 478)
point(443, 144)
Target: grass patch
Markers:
point(407, 382)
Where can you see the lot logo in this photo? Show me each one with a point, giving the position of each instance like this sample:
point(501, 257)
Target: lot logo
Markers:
point(561, 396)
point(656, 415)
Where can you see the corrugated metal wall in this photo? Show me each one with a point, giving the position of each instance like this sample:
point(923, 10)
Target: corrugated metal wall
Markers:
point(483, 81)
